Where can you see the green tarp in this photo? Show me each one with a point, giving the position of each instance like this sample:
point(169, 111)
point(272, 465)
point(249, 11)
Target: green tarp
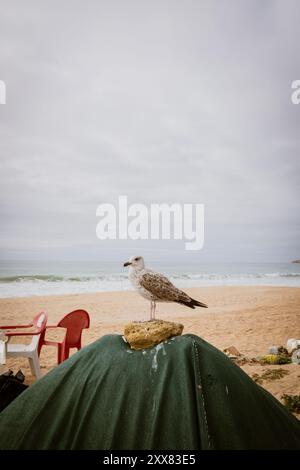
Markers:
point(181, 394)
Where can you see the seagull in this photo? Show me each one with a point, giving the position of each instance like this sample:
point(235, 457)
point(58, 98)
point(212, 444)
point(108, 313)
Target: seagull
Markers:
point(156, 287)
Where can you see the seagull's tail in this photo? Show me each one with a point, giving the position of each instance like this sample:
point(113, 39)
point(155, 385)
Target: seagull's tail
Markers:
point(192, 303)
point(196, 303)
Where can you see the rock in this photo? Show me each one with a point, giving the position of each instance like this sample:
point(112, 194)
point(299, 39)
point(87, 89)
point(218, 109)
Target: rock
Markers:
point(142, 335)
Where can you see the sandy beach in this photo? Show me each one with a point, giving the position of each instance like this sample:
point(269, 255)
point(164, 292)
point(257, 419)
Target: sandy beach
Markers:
point(249, 318)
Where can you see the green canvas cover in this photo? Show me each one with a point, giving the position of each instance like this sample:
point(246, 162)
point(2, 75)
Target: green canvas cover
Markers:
point(181, 394)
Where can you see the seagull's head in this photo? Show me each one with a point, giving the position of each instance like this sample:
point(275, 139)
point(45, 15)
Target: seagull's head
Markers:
point(136, 262)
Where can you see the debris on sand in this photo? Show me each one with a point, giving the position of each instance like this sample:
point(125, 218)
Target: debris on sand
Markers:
point(291, 402)
point(269, 375)
point(275, 359)
point(233, 353)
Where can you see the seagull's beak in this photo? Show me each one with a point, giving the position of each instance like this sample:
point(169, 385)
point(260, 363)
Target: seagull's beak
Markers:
point(126, 264)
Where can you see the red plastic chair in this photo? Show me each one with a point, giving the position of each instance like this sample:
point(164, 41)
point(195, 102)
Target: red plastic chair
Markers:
point(74, 322)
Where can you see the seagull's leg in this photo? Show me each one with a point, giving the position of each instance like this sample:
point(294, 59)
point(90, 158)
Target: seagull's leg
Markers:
point(151, 310)
point(154, 307)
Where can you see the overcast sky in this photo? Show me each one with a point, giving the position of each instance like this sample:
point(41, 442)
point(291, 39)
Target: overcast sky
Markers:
point(162, 101)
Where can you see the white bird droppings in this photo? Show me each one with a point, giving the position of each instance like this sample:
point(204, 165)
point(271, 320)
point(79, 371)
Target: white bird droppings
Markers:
point(154, 361)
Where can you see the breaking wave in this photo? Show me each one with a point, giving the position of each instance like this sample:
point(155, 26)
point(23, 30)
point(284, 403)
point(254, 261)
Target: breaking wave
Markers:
point(121, 277)
point(52, 284)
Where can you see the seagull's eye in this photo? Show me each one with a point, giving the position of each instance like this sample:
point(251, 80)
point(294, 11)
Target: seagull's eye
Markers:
point(136, 259)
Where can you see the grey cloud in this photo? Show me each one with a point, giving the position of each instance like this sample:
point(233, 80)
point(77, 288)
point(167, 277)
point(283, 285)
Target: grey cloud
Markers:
point(163, 101)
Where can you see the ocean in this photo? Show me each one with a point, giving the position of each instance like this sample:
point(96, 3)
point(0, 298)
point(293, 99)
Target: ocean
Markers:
point(30, 278)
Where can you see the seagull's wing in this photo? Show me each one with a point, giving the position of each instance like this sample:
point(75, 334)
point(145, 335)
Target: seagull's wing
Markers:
point(161, 287)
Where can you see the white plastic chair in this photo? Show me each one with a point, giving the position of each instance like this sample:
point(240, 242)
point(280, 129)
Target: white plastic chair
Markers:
point(3, 341)
point(27, 350)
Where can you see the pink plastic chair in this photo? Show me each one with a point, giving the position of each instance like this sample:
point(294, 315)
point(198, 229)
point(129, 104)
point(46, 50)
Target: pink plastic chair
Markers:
point(74, 322)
